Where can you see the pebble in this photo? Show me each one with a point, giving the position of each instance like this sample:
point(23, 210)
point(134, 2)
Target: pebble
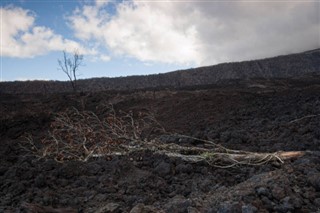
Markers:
point(163, 169)
point(263, 191)
point(249, 209)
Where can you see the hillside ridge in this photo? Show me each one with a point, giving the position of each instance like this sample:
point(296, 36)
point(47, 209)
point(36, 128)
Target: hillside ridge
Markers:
point(284, 66)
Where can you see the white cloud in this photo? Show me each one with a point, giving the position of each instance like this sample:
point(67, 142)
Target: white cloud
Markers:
point(101, 3)
point(104, 57)
point(22, 39)
point(200, 32)
point(142, 33)
point(100, 57)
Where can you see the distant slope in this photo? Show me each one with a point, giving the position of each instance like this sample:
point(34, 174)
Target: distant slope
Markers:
point(287, 66)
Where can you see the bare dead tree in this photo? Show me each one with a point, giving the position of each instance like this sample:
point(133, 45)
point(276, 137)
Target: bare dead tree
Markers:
point(82, 135)
point(70, 65)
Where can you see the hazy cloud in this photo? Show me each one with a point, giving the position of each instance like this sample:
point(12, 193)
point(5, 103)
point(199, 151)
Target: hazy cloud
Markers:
point(101, 3)
point(198, 32)
point(22, 39)
point(100, 57)
point(140, 31)
point(104, 58)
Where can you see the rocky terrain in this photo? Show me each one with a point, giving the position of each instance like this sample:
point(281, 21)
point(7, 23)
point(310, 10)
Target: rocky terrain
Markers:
point(256, 115)
point(286, 66)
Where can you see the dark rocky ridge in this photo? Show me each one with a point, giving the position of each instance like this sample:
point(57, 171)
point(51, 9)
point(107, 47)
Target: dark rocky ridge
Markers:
point(287, 66)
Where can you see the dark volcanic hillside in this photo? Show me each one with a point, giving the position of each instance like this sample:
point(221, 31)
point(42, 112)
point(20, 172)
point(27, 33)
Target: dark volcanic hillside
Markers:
point(288, 66)
point(269, 116)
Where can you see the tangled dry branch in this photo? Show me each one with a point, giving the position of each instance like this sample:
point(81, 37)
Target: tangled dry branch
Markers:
point(76, 135)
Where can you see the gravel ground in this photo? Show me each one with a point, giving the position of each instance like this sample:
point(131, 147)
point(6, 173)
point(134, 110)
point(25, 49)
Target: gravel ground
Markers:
point(281, 115)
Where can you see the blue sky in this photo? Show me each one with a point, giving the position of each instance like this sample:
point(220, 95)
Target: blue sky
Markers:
point(136, 37)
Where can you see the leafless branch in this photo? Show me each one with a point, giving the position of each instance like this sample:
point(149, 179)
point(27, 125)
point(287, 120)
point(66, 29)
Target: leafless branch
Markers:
point(81, 135)
point(70, 66)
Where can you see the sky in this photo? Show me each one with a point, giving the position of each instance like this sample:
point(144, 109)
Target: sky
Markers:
point(139, 37)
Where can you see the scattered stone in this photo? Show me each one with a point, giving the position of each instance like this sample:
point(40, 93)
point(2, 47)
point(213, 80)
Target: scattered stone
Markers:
point(49, 165)
point(109, 208)
point(267, 202)
point(296, 202)
point(163, 169)
point(94, 169)
point(101, 197)
point(278, 192)
point(225, 137)
point(18, 189)
point(229, 208)
point(204, 171)
point(3, 170)
point(32, 207)
point(262, 191)
point(40, 181)
point(249, 209)
point(314, 180)
point(184, 168)
point(285, 206)
point(141, 208)
point(168, 138)
point(317, 202)
point(310, 195)
point(302, 161)
point(178, 204)
point(186, 140)
point(206, 185)
point(192, 210)
point(153, 182)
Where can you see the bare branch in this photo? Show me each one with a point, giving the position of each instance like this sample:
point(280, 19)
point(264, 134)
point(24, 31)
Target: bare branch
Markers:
point(81, 135)
point(70, 66)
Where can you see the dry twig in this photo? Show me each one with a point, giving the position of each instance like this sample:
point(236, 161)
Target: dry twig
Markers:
point(82, 135)
point(302, 118)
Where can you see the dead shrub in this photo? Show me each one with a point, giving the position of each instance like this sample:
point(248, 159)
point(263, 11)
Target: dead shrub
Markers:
point(79, 135)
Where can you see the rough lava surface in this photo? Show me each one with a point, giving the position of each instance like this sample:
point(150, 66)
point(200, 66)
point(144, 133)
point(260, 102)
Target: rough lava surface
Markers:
point(254, 115)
